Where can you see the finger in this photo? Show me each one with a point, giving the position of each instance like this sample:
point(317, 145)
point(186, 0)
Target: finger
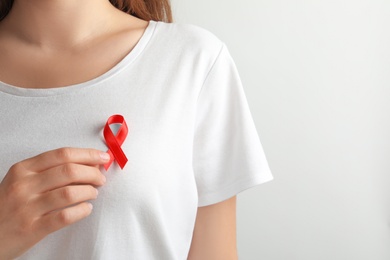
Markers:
point(56, 220)
point(64, 197)
point(64, 175)
point(64, 155)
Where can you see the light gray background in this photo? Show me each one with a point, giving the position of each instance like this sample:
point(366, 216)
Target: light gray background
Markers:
point(316, 75)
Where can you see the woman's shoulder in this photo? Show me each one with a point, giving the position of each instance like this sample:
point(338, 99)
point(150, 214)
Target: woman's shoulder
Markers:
point(188, 36)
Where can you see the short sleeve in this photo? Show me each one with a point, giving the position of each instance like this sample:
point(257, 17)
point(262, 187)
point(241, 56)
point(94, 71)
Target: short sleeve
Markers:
point(227, 154)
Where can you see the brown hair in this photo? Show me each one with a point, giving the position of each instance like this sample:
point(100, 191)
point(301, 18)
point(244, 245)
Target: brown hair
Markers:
point(158, 10)
point(5, 7)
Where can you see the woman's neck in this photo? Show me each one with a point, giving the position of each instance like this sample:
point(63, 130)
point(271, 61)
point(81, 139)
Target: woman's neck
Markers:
point(58, 24)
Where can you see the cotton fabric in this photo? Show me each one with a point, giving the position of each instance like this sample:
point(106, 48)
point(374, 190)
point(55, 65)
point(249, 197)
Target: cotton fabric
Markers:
point(192, 142)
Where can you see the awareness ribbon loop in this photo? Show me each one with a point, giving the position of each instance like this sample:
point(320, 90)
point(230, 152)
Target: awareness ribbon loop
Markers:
point(114, 142)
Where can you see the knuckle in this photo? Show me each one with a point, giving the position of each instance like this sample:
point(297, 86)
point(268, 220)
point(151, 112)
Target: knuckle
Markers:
point(16, 190)
point(65, 217)
point(68, 194)
point(70, 171)
point(64, 153)
point(16, 169)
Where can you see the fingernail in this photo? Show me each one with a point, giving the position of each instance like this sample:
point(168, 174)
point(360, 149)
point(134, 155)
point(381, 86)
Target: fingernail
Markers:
point(104, 156)
point(90, 205)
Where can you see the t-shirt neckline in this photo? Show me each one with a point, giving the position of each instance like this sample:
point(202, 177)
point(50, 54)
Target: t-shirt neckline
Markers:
point(43, 92)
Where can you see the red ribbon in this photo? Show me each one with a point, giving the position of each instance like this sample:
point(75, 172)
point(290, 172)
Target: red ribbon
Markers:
point(114, 142)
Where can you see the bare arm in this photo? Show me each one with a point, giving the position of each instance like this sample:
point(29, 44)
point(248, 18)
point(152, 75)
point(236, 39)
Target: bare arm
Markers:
point(214, 235)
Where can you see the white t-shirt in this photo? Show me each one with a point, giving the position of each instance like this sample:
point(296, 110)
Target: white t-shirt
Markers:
point(192, 142)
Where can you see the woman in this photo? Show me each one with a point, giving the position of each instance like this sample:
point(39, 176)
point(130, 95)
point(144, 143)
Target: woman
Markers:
point(66, 66)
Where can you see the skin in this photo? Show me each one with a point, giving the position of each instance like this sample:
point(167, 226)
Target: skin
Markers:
point(37, 34)
point(36, 196)
point(214, 236)
point(34, 37)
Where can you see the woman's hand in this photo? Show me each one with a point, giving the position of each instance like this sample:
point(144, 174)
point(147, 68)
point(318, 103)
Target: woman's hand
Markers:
point(45, 193)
